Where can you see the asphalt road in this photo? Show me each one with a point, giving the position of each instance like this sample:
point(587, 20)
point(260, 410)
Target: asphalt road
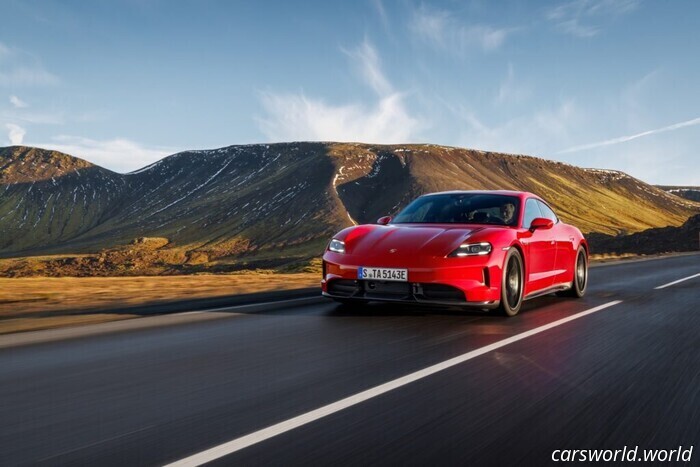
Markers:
point(625, 375)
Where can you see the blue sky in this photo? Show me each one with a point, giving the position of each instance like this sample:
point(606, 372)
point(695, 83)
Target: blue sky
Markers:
point(596, 83)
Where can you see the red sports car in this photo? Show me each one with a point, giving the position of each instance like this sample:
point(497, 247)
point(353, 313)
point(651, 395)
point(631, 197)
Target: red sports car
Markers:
point(484, 249)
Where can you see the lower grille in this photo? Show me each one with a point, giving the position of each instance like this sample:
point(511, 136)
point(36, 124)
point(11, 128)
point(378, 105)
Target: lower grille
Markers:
point(343, 287)
point(442, 292)
point(390, 290)
point(386, 289)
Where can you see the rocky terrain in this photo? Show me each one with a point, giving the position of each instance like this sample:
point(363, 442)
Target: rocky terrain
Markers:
point(651, 241)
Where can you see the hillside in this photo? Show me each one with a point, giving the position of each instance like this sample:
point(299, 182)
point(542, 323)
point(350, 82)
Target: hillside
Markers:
point(270, 204)
point(595, 200)
point(651, 241)
point(49, 198)
point(688, 192)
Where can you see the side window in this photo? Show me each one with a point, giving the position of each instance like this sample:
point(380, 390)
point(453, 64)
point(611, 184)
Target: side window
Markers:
point(547, 212)
point(531, 212)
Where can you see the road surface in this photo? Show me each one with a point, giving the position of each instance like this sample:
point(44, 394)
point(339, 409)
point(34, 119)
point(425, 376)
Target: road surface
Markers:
point(395, 385)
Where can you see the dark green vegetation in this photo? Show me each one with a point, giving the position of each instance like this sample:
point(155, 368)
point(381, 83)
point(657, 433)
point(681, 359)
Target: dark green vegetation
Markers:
point(276, 205)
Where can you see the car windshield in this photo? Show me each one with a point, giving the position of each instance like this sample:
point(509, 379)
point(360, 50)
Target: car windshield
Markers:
point(461, 208)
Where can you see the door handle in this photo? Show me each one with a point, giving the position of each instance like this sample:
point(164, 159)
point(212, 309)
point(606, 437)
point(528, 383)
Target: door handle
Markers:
point(552, 242)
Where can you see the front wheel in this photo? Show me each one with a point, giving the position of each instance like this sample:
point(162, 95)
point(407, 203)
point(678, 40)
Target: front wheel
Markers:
point(512, 283)
point(580, 282)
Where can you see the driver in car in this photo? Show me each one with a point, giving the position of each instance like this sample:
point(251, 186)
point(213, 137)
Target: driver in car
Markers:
point(508, 213)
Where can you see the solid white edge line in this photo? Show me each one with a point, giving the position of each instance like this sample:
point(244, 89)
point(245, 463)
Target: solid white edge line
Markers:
point(266, 433)
point(676, 282)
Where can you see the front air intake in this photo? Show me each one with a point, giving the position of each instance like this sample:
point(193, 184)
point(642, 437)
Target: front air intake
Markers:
point(442, 292)
point(343, 287)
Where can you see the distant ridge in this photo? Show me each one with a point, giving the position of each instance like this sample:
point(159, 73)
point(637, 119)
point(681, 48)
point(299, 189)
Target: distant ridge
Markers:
point(269, 201)
point(688, 192)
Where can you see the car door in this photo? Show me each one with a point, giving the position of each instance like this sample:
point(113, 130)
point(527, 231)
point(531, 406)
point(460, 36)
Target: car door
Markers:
point(540, 250)
point(564, 245)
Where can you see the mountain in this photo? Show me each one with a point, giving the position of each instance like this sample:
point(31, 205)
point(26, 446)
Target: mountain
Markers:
point(281, 202)
point(232, 198)
point(688, 192)
point(49, 198)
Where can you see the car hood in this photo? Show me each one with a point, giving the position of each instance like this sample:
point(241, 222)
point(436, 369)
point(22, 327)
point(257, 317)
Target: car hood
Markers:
point(407, 240)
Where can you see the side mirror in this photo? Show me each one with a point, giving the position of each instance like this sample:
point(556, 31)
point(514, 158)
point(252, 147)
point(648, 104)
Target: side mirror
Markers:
point(384, 220)
point(541, 223)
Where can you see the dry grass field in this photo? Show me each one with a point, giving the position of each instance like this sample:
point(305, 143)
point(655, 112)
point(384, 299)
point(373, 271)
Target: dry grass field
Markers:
point(34, 303)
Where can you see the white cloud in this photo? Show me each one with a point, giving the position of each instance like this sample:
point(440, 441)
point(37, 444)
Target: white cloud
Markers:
point(27, 76)
point(511, 90)
point(119, 155)
point(381, 12)
point(443, 31)
point(430, 25)
point(23, 69)
point(580, 17)
point(573, 27)
point(15, 133)
point(17, 103)
point(39, 117)
point(662, 161)
point(624, 139)
point(532, 133)
point(367, 60)
point(294, 117)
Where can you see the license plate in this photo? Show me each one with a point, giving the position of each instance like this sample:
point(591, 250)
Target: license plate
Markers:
point(383, 274)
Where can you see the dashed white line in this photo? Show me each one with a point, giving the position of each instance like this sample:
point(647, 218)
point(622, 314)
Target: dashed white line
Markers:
point(677, 282)
point(256, 437)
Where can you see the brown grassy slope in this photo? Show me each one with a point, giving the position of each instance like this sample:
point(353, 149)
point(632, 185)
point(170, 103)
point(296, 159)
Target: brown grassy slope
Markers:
point(21, 164)
point(596, 201)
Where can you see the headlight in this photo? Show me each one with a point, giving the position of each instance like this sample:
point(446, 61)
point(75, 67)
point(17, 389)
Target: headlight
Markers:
point(472, 249)
point(337, 246)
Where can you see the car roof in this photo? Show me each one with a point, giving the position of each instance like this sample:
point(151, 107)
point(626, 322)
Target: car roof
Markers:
point(519, 194)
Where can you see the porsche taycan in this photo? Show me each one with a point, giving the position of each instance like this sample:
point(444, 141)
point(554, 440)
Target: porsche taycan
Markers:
point(483, 249)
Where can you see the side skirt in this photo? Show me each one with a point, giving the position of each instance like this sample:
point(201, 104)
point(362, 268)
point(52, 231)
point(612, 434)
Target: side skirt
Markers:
point(549, 290)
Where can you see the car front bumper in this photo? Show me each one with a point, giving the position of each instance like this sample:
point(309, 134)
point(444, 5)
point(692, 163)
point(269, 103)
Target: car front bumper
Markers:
point(473, 282)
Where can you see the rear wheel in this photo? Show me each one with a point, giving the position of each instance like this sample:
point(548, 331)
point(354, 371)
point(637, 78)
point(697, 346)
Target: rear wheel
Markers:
point(580, 282)
point(512, 283)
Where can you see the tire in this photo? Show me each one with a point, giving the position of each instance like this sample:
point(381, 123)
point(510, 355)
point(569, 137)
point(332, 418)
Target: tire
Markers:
point(512, 283)
point(580, 282)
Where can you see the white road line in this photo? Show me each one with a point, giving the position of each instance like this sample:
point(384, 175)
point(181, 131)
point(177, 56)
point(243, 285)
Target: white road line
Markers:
point(266, 433)
point(676, 282)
